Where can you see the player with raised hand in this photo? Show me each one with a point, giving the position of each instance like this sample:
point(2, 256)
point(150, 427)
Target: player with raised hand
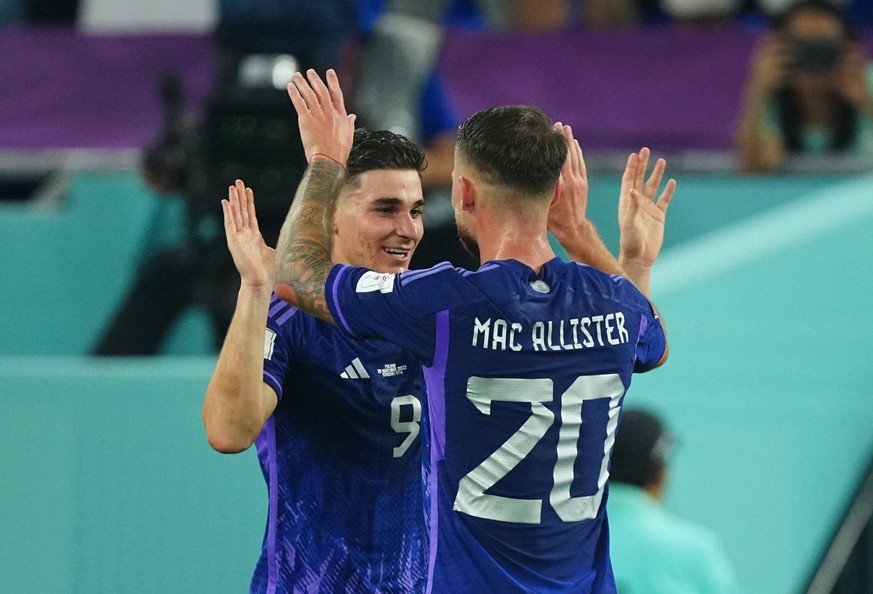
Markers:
point(338, 423)
point(516, 354)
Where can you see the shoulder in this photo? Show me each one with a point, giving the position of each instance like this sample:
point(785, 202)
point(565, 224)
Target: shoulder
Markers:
point(443, 272)
point(609, 286)
point(280, 311)
point(691, 540)
point(291, 324)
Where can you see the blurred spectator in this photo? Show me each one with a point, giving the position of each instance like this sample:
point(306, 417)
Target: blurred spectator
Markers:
point(550, 15)
point(400, 89)
point(808, 90)
point(653, 551)
point(774, 8)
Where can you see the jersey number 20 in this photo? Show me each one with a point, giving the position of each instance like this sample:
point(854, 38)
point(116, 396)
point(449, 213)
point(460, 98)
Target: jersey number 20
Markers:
point(472, 499)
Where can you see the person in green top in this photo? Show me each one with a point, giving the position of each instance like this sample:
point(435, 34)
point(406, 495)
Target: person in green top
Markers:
point(808, 91)
point(654, 551)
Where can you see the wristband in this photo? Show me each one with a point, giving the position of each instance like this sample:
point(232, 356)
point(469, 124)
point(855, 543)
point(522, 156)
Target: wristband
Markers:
point(327, 157)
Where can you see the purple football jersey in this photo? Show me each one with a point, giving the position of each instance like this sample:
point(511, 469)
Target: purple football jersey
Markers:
point(525, 377)
point(342, 458)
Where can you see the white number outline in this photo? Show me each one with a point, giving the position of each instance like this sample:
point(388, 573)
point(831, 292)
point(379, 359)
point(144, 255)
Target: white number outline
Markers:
point(412, 428)
point(471, 498)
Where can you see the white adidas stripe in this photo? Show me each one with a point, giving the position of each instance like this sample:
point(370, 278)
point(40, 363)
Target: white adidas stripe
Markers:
point(355, 371)
point(360, 369)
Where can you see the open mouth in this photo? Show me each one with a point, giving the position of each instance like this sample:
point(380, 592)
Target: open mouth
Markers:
point(396, 252)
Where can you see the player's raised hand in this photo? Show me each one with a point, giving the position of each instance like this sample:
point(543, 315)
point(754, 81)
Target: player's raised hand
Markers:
point(568, 213)
point(641, 213)
point(251, 255)
point(325, 127)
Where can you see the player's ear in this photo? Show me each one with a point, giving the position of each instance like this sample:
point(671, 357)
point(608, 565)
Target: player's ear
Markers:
point(557, 191)
point(468, 193)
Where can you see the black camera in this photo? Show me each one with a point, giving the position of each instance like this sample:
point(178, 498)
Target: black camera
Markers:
point(816, 56)
point(246, 131)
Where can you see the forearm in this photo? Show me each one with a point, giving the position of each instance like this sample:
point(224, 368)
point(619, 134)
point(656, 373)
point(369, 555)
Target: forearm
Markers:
point(759, 150)
point(584, 244)
point(303, 252)
point(639, 273)
point(234, 408)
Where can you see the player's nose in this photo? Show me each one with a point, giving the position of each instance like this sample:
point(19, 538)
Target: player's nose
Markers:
point(408, 226)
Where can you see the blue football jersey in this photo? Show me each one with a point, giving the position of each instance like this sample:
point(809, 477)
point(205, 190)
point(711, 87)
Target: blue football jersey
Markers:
point(525, 377)
point(342, 458)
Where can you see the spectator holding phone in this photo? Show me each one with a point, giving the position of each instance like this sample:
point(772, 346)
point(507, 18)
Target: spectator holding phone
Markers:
point(808, 90)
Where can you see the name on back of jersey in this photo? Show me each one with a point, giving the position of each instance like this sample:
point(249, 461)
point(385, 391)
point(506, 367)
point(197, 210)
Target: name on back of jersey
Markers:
point(602, 330)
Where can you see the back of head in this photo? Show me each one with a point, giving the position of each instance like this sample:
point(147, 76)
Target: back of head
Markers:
point(382, 149)
point(514, 146)
point(641, 449)
point(781, 21)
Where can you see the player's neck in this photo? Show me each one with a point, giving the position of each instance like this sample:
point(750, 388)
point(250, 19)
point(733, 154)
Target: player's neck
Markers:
point(529, 244)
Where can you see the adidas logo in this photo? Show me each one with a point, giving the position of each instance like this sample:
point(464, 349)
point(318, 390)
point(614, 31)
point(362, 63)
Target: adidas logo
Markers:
point(355, 371)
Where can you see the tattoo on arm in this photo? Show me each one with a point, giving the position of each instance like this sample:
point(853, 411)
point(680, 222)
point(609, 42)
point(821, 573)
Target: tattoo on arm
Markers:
point(303, 251)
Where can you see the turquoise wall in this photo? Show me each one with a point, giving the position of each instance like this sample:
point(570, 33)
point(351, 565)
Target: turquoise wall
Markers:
point(108, 484)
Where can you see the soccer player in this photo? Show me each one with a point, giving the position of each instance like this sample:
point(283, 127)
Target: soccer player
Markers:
point(526, 360)
point(337, 421)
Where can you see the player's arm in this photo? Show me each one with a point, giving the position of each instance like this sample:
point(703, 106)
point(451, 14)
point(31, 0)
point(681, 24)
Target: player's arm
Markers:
point(641, 218)
point(303, 258)
point(666, 354)
point(237, 401)
point(568, 219)
point(759, 146)
point(642, 215)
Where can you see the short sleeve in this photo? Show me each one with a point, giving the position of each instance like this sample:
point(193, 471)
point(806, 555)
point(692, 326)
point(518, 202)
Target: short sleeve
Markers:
point(651, 341)
point(281, 320)
point(400, 308)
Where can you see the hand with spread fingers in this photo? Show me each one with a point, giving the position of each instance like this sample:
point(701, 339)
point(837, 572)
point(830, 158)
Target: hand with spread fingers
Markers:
point(251, 255)
point(325, 128)
point(642, 215)
point(568, 213)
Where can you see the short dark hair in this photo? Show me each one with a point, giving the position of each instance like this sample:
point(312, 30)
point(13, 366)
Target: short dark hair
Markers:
point(382, 149)
point(641, 449)
point(514, 146)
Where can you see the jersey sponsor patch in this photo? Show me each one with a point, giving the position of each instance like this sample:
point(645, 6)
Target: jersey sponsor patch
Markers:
point(269, 344)
point(375, 281)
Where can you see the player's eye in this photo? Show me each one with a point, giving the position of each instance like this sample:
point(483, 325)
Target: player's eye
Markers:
point(417, 212)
